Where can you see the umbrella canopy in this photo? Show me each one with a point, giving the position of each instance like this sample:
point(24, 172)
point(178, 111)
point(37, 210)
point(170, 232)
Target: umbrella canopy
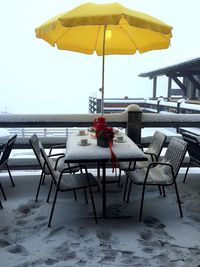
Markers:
point(108, 29)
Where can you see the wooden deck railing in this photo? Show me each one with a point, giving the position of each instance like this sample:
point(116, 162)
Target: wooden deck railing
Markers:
point(117, 105)
point(132, 120)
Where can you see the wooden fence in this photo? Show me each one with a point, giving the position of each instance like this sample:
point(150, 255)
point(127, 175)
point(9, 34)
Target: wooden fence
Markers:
point(132, 120)
point(117, 105)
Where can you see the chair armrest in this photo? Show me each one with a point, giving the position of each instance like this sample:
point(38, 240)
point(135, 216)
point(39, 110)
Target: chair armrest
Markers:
point(140, 146)
point(61, 155)
point(68, 169)
point(154, 164)
point(191, 137)
point(56, 155)
point(153, 156)
point(56, 146)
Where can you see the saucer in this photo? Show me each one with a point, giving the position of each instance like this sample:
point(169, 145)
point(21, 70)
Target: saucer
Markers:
point(121, 141)
point(87, 144)
point(78, 134)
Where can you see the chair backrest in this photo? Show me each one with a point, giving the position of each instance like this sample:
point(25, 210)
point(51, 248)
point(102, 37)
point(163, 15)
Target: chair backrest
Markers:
point(175, 154)
point(47, 164)
point(193, 146)
point(7, 149)
point(157, 144)
point(34, 142)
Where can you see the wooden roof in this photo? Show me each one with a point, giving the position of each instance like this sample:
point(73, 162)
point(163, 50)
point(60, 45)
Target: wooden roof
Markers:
point(185, 68)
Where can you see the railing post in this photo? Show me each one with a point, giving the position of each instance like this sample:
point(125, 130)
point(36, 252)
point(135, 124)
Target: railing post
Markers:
point(98, 105)
point(178, 107)
point(158, 106)
point(134, 124)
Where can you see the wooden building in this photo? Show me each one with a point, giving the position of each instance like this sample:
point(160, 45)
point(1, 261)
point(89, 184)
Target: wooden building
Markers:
point(186, 76)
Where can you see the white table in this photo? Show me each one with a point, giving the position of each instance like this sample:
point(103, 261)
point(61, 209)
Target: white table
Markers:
point(125, 151)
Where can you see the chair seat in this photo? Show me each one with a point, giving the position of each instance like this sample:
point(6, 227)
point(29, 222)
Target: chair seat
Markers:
point(125, 165)
point(157, 175)
point(75, 181)
point(62, 165)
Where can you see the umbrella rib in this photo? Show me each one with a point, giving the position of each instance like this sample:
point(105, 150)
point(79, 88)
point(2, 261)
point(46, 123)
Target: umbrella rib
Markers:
point(95, 46)
point(128, 36)
point(67, 30)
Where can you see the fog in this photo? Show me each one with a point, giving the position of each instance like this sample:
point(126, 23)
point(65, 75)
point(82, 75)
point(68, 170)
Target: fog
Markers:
point(38, 78)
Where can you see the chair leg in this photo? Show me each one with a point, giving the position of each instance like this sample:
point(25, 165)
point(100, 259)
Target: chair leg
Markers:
point(43, 179)
point(119, 178)
point(98, 188)
point(188, 166)
point(98, 170)
point(178, 199)
point(3, 193)
point(39, 185)
point(50, 188)
point(53, 206)
point(129, 192)
point(86, 199)
point(75, 196)
point(13, 184)
point(160, 191)
point(125, 189)
point(163, 190)
point(1, 206)
point(92, 200)
point(142, 202)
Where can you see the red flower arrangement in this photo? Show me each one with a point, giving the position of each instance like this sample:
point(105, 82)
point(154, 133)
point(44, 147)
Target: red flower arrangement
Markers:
point(104, 134)
point(105, 137)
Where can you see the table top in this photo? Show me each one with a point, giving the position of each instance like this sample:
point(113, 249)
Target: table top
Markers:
point(126, 150)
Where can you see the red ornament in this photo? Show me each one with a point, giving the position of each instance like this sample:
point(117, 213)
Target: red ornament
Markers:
point(104, 137)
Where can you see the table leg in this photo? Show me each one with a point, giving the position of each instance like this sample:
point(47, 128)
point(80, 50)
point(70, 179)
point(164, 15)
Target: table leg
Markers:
point(104, 188)
point(104, 215)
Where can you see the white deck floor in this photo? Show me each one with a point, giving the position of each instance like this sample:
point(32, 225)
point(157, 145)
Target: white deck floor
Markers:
point(163, 238)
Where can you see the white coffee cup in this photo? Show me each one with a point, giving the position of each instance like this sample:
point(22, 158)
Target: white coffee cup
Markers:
point(81, 132)
point(84, 141)
point(116, 131)
point(119, 138)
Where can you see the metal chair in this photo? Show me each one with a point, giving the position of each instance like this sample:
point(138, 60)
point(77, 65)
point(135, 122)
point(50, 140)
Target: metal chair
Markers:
point(5, 154)
point(57, 161)
point(193, 150)
point(68, 182)
point(161, 173)
point(153, 152)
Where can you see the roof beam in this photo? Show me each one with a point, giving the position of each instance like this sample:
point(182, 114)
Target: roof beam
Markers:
point(184, 73)
point(178, 82)
point(194, 81)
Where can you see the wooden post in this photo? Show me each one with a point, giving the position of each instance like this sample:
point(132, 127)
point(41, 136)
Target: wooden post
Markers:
point(154, 86)
point(134, 124)
point(169, 88)
point(98, 105)
point(178, 107)
point(158, 106)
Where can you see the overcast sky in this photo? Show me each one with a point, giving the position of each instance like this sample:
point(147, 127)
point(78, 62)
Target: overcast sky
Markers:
point(37, 78)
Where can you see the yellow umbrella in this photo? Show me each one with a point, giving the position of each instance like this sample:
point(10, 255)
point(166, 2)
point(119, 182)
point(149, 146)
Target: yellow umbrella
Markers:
point(108, 29)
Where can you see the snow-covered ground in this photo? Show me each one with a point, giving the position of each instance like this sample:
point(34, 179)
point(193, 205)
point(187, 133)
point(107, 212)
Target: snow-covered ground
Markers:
point(162, 239)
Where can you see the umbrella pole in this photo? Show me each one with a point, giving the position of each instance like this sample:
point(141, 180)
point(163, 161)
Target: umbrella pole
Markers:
point(103, 70)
